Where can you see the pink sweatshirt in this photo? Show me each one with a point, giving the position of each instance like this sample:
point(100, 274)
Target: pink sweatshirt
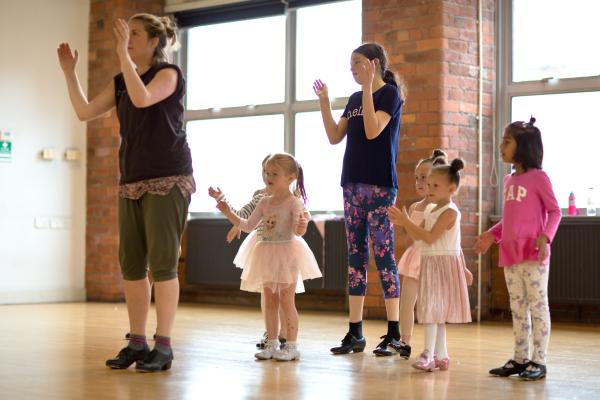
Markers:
point(530, 209)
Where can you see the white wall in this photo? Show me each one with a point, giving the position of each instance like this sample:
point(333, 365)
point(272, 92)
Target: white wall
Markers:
point(41, 264)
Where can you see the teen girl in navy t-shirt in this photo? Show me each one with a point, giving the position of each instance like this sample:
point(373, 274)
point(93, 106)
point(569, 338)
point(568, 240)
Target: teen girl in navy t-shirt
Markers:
point(371, 125)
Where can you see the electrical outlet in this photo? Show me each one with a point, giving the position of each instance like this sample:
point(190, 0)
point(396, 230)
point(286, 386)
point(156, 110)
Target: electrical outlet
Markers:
point(47, 154)
point(41, 222)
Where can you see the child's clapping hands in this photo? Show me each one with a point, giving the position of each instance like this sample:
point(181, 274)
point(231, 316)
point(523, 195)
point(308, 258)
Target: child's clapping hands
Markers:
point(398, 216)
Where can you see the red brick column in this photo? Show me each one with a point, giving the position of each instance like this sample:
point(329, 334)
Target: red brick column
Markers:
point(433, 44)
point(103, 277)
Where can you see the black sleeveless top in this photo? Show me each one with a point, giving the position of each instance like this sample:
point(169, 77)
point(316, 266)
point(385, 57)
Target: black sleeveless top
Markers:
point(153, 139)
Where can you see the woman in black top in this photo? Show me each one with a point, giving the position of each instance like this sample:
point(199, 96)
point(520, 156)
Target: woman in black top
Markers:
point(155, 175)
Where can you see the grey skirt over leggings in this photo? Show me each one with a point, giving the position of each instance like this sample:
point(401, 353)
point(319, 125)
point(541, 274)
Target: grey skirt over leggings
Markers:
point(150, 230)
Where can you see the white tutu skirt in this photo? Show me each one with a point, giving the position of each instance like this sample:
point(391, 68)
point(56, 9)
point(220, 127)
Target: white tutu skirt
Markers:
point(443, 294)
point(275, 265)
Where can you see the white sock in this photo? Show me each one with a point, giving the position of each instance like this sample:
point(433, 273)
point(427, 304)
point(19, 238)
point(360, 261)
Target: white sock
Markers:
point(441, 349)
point(430, 338)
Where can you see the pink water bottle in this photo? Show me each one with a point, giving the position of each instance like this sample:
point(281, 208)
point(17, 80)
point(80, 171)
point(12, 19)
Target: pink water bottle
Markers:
point(572, 208)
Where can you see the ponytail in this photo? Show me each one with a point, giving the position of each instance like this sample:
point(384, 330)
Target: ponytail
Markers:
point(300, 190)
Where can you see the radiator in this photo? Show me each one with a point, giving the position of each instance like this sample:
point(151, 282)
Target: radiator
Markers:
point(575, 262)
point(209, 258)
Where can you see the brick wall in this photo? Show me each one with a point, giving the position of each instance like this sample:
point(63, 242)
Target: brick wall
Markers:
point(433, 44)
point(102, 275)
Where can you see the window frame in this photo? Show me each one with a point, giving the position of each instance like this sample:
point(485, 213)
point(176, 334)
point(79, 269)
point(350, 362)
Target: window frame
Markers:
point(288, 108)
point(507, 89)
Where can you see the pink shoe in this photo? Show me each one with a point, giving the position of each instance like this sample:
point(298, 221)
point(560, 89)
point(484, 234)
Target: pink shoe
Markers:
point(424, 363)
point(443, 364)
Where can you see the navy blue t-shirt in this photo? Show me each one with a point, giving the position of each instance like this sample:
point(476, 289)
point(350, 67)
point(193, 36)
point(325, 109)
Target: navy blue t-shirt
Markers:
point(372, 161)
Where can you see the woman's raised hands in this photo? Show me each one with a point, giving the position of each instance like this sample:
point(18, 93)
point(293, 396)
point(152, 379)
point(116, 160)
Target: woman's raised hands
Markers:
point(66, 57)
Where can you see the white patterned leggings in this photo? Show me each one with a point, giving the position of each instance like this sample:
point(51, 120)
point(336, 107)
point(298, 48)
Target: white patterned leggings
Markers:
point(527, 285)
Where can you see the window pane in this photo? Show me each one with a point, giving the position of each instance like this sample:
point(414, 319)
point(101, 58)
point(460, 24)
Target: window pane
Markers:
point(322, 162)
point(228, 153)
point(555, 38)
point(326, 36)
point(236, 63)
point(571, 135)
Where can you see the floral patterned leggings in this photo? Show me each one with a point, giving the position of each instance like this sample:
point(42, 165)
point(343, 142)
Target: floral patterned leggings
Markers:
point(527, 285)
point(365, 214)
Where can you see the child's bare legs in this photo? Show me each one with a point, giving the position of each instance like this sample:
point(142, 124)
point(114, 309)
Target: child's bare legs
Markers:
point(283, 329)
point(408, 299)
point(271, 312)
point(288, 311)
point(282, 318)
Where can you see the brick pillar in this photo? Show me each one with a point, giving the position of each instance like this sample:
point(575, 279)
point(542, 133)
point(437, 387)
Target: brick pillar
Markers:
point(103, 277)
point(433, 44)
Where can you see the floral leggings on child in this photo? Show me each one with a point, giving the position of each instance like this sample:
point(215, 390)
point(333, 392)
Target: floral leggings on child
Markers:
point(527, 285)
point(365, 214)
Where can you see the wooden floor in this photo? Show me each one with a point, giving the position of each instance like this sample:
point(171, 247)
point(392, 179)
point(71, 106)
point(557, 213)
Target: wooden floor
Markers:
point(57, 351)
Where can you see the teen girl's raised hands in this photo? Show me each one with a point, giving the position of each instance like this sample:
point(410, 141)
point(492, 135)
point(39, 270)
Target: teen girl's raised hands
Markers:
point(320, 89)
point(365, 73)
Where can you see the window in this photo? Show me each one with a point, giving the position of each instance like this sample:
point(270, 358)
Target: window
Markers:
point(245, 66)
point(554, 40)
point(227, 152)
point(568, 128)
point(244, 102)
point(547, 69)
point(322, 176)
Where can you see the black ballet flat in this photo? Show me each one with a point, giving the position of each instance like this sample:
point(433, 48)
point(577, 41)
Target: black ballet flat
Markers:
point(126, 357)
point(155, 361)
point(350, 343)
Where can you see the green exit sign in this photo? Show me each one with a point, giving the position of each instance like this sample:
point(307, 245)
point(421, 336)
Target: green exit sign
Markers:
point(5, 150)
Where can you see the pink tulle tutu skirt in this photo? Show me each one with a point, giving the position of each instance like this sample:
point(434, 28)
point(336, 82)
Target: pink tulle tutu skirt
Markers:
point(410, 262)
point(443, 295)
point(275, 265)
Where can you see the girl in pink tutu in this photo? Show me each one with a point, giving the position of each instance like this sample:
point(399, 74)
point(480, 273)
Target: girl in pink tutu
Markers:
point(443, 278)
point(409, 263)
point(273, 262)
point(235, 232)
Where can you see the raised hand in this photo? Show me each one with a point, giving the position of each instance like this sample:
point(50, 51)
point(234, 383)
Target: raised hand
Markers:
point(233, 233)
point(216, 194)
point(398, 216)
point(67, 58)
point(224, 207)
point(121, 33)
point(366, 73)
point(302, 225)
point(320, 89)
point(483, 242)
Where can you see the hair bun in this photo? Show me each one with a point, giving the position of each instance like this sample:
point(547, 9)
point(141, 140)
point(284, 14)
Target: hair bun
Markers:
point(457, 164)
point(532, 120)
point(438, 153)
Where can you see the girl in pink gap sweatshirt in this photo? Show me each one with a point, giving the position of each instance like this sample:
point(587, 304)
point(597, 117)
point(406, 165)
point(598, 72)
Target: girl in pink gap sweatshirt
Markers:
point(530, 218)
